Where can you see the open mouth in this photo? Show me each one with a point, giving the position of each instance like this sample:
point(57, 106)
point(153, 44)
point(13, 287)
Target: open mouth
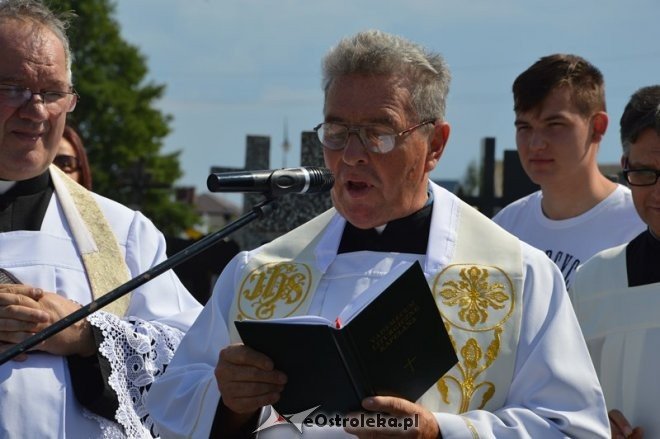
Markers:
point(357, 187)
point(28, 136)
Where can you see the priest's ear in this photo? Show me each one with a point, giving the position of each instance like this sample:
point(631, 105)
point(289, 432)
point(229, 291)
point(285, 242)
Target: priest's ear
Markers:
point(440, 136)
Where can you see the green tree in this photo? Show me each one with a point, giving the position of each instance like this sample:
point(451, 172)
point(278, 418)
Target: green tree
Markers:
point(116, 117)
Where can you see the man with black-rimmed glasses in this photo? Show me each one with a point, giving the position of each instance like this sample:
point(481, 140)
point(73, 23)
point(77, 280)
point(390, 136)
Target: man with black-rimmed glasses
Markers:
point(616, 293)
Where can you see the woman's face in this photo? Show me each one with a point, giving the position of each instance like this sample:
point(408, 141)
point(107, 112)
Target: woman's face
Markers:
point(67, 160)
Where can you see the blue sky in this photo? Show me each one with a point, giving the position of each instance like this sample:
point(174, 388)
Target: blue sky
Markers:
point(239, 67)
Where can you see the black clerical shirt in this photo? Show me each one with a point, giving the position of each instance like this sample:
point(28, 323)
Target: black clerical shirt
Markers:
point(643, 260)
point(24, 205)
point(404, 235)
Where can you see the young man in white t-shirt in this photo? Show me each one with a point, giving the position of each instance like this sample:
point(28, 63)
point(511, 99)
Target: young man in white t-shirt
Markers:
point(560, 121)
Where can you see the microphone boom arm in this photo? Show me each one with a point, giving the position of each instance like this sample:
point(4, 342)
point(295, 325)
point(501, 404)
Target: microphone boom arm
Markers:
point(257, 212)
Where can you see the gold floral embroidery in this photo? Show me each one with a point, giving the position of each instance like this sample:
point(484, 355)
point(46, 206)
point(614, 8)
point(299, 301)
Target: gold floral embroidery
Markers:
point(274, 290)
point(475, 300)
point(474, 295)
point(473, 363)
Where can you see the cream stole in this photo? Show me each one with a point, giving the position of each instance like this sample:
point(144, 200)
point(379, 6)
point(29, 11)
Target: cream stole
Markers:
point(104, 264)
point(281, 279)
point(478, 294)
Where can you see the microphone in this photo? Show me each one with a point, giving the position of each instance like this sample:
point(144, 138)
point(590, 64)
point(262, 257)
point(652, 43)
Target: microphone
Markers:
point(303, 180)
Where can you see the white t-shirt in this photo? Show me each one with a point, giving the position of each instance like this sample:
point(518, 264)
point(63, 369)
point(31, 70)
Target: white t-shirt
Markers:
point(572, 241)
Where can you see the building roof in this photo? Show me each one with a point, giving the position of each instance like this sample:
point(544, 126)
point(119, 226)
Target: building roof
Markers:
point(215, 205)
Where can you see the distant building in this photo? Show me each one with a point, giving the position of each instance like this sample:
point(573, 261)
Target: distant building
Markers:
point(200, 272)
point(215, 211)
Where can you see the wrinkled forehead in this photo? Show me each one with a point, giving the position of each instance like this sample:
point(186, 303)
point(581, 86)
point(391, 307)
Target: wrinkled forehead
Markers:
point(31, 51)
point(366, 94)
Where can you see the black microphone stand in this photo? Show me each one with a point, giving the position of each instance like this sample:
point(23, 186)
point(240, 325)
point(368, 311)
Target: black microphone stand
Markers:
point(257, 212)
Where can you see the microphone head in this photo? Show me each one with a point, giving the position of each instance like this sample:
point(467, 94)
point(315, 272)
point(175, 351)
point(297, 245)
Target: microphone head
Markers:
point(303, 180)
point(320, 179)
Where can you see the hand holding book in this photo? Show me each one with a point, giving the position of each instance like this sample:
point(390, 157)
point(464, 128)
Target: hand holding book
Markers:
point(392, 342)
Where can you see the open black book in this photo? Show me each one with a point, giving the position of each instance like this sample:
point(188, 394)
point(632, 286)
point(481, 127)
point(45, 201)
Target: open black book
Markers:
point(391, 341)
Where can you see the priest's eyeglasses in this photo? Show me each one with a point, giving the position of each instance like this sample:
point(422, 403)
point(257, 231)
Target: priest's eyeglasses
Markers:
point(55, 102)
point(380, 139)
point(641, 177)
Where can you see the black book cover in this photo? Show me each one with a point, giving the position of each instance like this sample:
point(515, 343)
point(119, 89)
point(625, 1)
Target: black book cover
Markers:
point(395, 345)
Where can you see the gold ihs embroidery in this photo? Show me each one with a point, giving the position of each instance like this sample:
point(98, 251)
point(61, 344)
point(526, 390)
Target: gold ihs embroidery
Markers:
point(473, 304)
point(274, 290)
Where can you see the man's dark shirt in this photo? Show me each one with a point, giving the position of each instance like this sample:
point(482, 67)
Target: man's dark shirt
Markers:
point(404, 235)
point(24, 205)
point(643, 260)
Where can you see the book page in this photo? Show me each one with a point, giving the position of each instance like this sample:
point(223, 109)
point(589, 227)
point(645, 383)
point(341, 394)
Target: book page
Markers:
point(299, 320)
point(355, 306)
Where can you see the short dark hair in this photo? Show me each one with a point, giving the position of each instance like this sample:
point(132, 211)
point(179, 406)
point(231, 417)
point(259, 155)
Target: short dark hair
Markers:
point(641, 112)
point(584, 80)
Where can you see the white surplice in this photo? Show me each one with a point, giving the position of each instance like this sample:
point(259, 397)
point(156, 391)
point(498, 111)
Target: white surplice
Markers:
point(553, 393)
point(36, 396)
point(621, 325)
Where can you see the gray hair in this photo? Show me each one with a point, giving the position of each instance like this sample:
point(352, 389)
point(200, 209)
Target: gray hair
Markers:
point(641, 112)
point(36, 12)
point(374, 52)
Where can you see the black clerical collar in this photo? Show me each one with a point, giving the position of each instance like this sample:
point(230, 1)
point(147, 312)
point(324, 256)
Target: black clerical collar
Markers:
point(643, 260)
point(404, 235)
point(30, 186)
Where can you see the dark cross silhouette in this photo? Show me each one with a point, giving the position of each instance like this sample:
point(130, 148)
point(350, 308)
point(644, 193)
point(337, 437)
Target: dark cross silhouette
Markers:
point(137, 180)
point(409, 365)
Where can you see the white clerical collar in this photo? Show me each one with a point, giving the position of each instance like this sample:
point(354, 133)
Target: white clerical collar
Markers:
point(429, 200)
point(5, 185)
